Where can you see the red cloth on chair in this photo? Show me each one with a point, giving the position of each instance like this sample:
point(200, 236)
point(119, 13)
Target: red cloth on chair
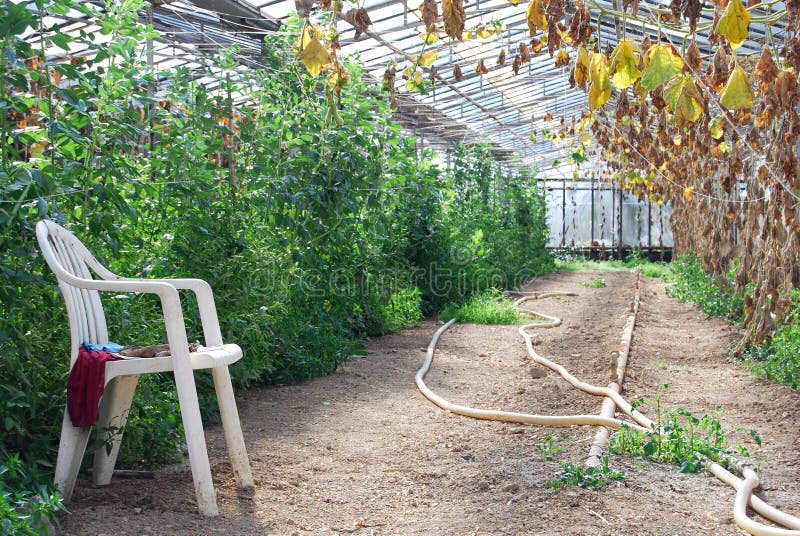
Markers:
point(87, 381)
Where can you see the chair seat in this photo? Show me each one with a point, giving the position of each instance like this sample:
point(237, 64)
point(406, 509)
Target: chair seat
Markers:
point(204, 358)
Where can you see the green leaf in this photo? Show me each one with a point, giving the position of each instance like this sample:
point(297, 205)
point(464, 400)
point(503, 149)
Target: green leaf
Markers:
point(62, 41)
point(661, 63)
point(734, 23)
point(736, 94)
point(689, 467)
point(650, 448)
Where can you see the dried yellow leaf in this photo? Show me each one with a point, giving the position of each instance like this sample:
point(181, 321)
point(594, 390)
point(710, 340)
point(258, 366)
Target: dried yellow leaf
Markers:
point(429, 37)
point(315, 57)
point(562, 58)
point(427, 59)
point(600, 90)
point(581, 71)
point(535, 17)
point(624, 70)
point(715, 127)
point(734, 23)
point(486, 32)
point(736, 95)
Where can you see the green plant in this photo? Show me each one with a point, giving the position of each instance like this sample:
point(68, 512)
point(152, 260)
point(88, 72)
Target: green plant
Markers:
point(315, 229)
point(779, 359)
point(548, 447)
point(714, 296)
point(679, 438)
point(592, 478)
point(488, 307)
point(28, 500)
point(597, 283)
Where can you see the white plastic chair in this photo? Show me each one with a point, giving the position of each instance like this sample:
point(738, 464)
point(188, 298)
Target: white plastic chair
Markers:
point(71, 262)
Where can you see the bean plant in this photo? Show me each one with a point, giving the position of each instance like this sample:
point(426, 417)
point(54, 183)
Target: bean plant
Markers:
point(315, 229)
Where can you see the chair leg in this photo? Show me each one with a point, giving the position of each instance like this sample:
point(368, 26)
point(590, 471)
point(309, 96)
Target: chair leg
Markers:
point(71, 448)
point(114, 409)
point(232, 426)
point(196, 442)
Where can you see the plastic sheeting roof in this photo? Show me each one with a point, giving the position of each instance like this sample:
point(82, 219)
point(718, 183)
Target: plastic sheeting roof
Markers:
point(500, 107)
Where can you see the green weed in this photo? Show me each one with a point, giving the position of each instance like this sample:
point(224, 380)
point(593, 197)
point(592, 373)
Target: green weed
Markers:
point(549, 447)
point(597, 283)
point(486, 308)
point(592, 478)
point(686, 441)
point(660, 270)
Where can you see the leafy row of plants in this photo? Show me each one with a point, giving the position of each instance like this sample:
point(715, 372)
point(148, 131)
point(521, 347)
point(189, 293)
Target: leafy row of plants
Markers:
point(712, 295)
point(775, 358)
point(316, 226)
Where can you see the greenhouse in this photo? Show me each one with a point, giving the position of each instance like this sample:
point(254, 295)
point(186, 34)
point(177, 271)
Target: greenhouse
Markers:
point(400, 267)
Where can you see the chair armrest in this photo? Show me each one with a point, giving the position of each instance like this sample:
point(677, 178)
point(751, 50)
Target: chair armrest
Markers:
point(170, 306)
point(205, 304)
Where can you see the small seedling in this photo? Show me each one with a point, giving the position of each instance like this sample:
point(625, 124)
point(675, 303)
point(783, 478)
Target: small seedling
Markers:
point(548, 447)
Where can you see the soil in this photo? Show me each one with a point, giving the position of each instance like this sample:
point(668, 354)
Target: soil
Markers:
point(362, 452)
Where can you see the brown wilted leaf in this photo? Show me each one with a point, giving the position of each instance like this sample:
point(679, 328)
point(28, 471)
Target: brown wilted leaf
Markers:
point(718, 70)
point(786, 88)
point(691, 11)
point(501, 58)
point(766, 71)
point(555, 12)
point(694, 63)
point(481, 67)
point(516, 64)
point(633, 5)
point(580, 28)
point(524, 54)
point(454, 18)
point(537, 45)
point(553, 39)
point(303, 7)
point(430, 14)
point(324, 4)
point(457, 76)
point(360, 20)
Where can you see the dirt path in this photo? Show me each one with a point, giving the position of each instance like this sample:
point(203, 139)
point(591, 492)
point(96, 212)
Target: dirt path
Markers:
point(361, 452)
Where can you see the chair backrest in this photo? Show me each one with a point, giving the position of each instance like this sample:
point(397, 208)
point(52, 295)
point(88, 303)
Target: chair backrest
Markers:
point(65, 254)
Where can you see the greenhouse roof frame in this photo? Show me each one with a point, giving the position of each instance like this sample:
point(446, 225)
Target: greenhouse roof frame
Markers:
point(499, 107)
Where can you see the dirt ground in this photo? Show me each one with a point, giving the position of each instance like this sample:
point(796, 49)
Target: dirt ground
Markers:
point(362, 452)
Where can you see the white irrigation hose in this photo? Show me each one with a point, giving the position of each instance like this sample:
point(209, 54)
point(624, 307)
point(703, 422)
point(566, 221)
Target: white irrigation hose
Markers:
point(764, 509)
point(508, 416)
point(744, 488)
